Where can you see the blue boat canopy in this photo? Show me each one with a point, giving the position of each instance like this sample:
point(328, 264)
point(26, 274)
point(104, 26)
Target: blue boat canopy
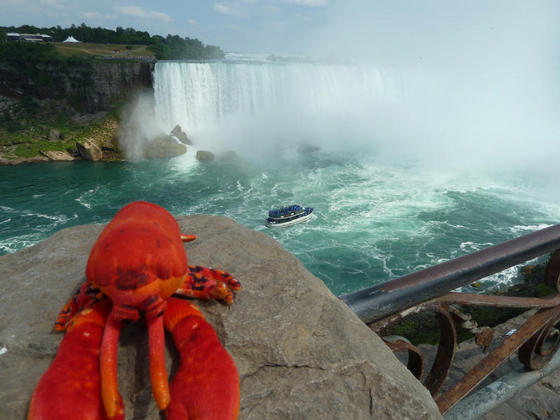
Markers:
point(284, 211)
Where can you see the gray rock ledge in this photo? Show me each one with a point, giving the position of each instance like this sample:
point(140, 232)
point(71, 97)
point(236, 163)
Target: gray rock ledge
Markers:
point(301, 353)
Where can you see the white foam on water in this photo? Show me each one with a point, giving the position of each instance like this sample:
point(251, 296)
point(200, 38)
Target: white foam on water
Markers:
point(185, 163)
point(526, 229)
point(82, 199)
point(14, 244)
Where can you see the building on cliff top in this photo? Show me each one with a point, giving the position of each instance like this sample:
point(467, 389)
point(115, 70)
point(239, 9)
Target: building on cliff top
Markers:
point(14, 36)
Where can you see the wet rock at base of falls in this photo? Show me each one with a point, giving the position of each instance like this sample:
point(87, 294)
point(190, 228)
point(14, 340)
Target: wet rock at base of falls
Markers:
point(204, 156)
point(181, 135)
point(163, 146)
point(300, 351)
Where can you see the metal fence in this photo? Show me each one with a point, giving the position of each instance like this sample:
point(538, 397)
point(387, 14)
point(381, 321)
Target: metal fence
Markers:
point(431, 290)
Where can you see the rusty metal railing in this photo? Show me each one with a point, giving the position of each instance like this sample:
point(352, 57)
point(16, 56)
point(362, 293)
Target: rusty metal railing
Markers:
point(430, 290)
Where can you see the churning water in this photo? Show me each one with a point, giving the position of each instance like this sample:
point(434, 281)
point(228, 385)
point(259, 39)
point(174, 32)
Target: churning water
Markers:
point(373, 150)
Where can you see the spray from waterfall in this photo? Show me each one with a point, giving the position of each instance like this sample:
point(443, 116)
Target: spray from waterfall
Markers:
point(435, 116)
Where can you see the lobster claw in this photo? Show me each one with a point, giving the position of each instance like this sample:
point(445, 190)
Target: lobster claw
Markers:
point(70, 388)
point(206, 384)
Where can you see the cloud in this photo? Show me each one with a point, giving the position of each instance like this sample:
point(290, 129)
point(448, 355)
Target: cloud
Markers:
point(227, 9)
point(92, 15)
point(143, 13)
point(308, 3)
point(54, 3)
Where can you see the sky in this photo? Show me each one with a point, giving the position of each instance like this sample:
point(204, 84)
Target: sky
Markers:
point(415, 29)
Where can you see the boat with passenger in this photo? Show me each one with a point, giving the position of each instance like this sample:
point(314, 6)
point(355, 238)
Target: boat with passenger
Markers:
point(289, 215)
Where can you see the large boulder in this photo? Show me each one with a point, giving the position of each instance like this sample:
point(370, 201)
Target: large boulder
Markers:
point(204, 156)
point(301, 353)
point(88, 150)
point(181, 135)
point(163, 146)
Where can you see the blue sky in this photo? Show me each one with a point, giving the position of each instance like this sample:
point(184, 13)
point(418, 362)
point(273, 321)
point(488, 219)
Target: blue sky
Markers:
point(413, 29)
point(235, 25)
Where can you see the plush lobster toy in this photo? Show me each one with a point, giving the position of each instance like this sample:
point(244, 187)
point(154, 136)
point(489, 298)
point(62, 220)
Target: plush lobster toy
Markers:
point(138, 269)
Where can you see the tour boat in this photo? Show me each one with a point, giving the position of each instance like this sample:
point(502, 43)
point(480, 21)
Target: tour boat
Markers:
point(287, 216)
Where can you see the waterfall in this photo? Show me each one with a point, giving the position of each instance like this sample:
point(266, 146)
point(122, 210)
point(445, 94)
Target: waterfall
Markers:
point(198, 95)
point(442, 114)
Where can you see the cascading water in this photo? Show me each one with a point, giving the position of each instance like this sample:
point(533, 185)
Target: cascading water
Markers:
point(202, 97)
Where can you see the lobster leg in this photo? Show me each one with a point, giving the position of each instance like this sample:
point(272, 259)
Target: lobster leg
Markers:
point(158, 374)
point(108, 365)
point(206, 385)
point(208, 283)
point(109, 350)
point(70, 388)
point(85, 296)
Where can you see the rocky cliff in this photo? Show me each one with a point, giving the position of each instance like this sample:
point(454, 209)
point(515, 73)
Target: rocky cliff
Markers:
point(92, 86)
point(301, 353)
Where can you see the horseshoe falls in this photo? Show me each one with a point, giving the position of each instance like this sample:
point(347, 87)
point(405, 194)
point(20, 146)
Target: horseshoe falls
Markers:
point(406, 167)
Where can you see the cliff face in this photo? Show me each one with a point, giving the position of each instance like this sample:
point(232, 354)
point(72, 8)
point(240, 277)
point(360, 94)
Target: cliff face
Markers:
point(91, 86)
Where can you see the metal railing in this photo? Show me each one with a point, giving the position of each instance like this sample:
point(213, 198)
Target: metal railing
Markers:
point(430, 290)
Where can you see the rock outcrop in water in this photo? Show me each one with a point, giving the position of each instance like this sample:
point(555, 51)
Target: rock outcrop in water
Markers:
point(204, 155)
point(301, 353)
point(163, 146)
point(181, 135)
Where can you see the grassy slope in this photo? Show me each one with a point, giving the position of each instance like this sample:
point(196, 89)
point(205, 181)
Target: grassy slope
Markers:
point(92, 50)
point(25, 125)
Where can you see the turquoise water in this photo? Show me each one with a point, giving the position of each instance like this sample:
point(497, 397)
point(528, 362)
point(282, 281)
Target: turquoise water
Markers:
point(406, 167)
point(374, 221)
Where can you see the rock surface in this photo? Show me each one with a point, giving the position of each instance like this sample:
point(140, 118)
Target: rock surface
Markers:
point(88, 150)
point(163, 146)
point(181, 135)
point(58, 156)
point(96, 84)
point(20, 161)
point(204, 156)
point(301, 353)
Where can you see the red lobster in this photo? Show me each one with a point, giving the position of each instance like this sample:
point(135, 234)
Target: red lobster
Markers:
point(136, 267)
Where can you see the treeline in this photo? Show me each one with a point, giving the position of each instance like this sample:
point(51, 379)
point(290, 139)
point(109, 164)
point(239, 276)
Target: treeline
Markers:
point(28, 53)
point(172, 47)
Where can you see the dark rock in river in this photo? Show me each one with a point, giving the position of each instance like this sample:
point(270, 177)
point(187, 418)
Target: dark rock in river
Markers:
point(301, 353)
point(163, 146)
point(204, 156)
point(181, 135)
